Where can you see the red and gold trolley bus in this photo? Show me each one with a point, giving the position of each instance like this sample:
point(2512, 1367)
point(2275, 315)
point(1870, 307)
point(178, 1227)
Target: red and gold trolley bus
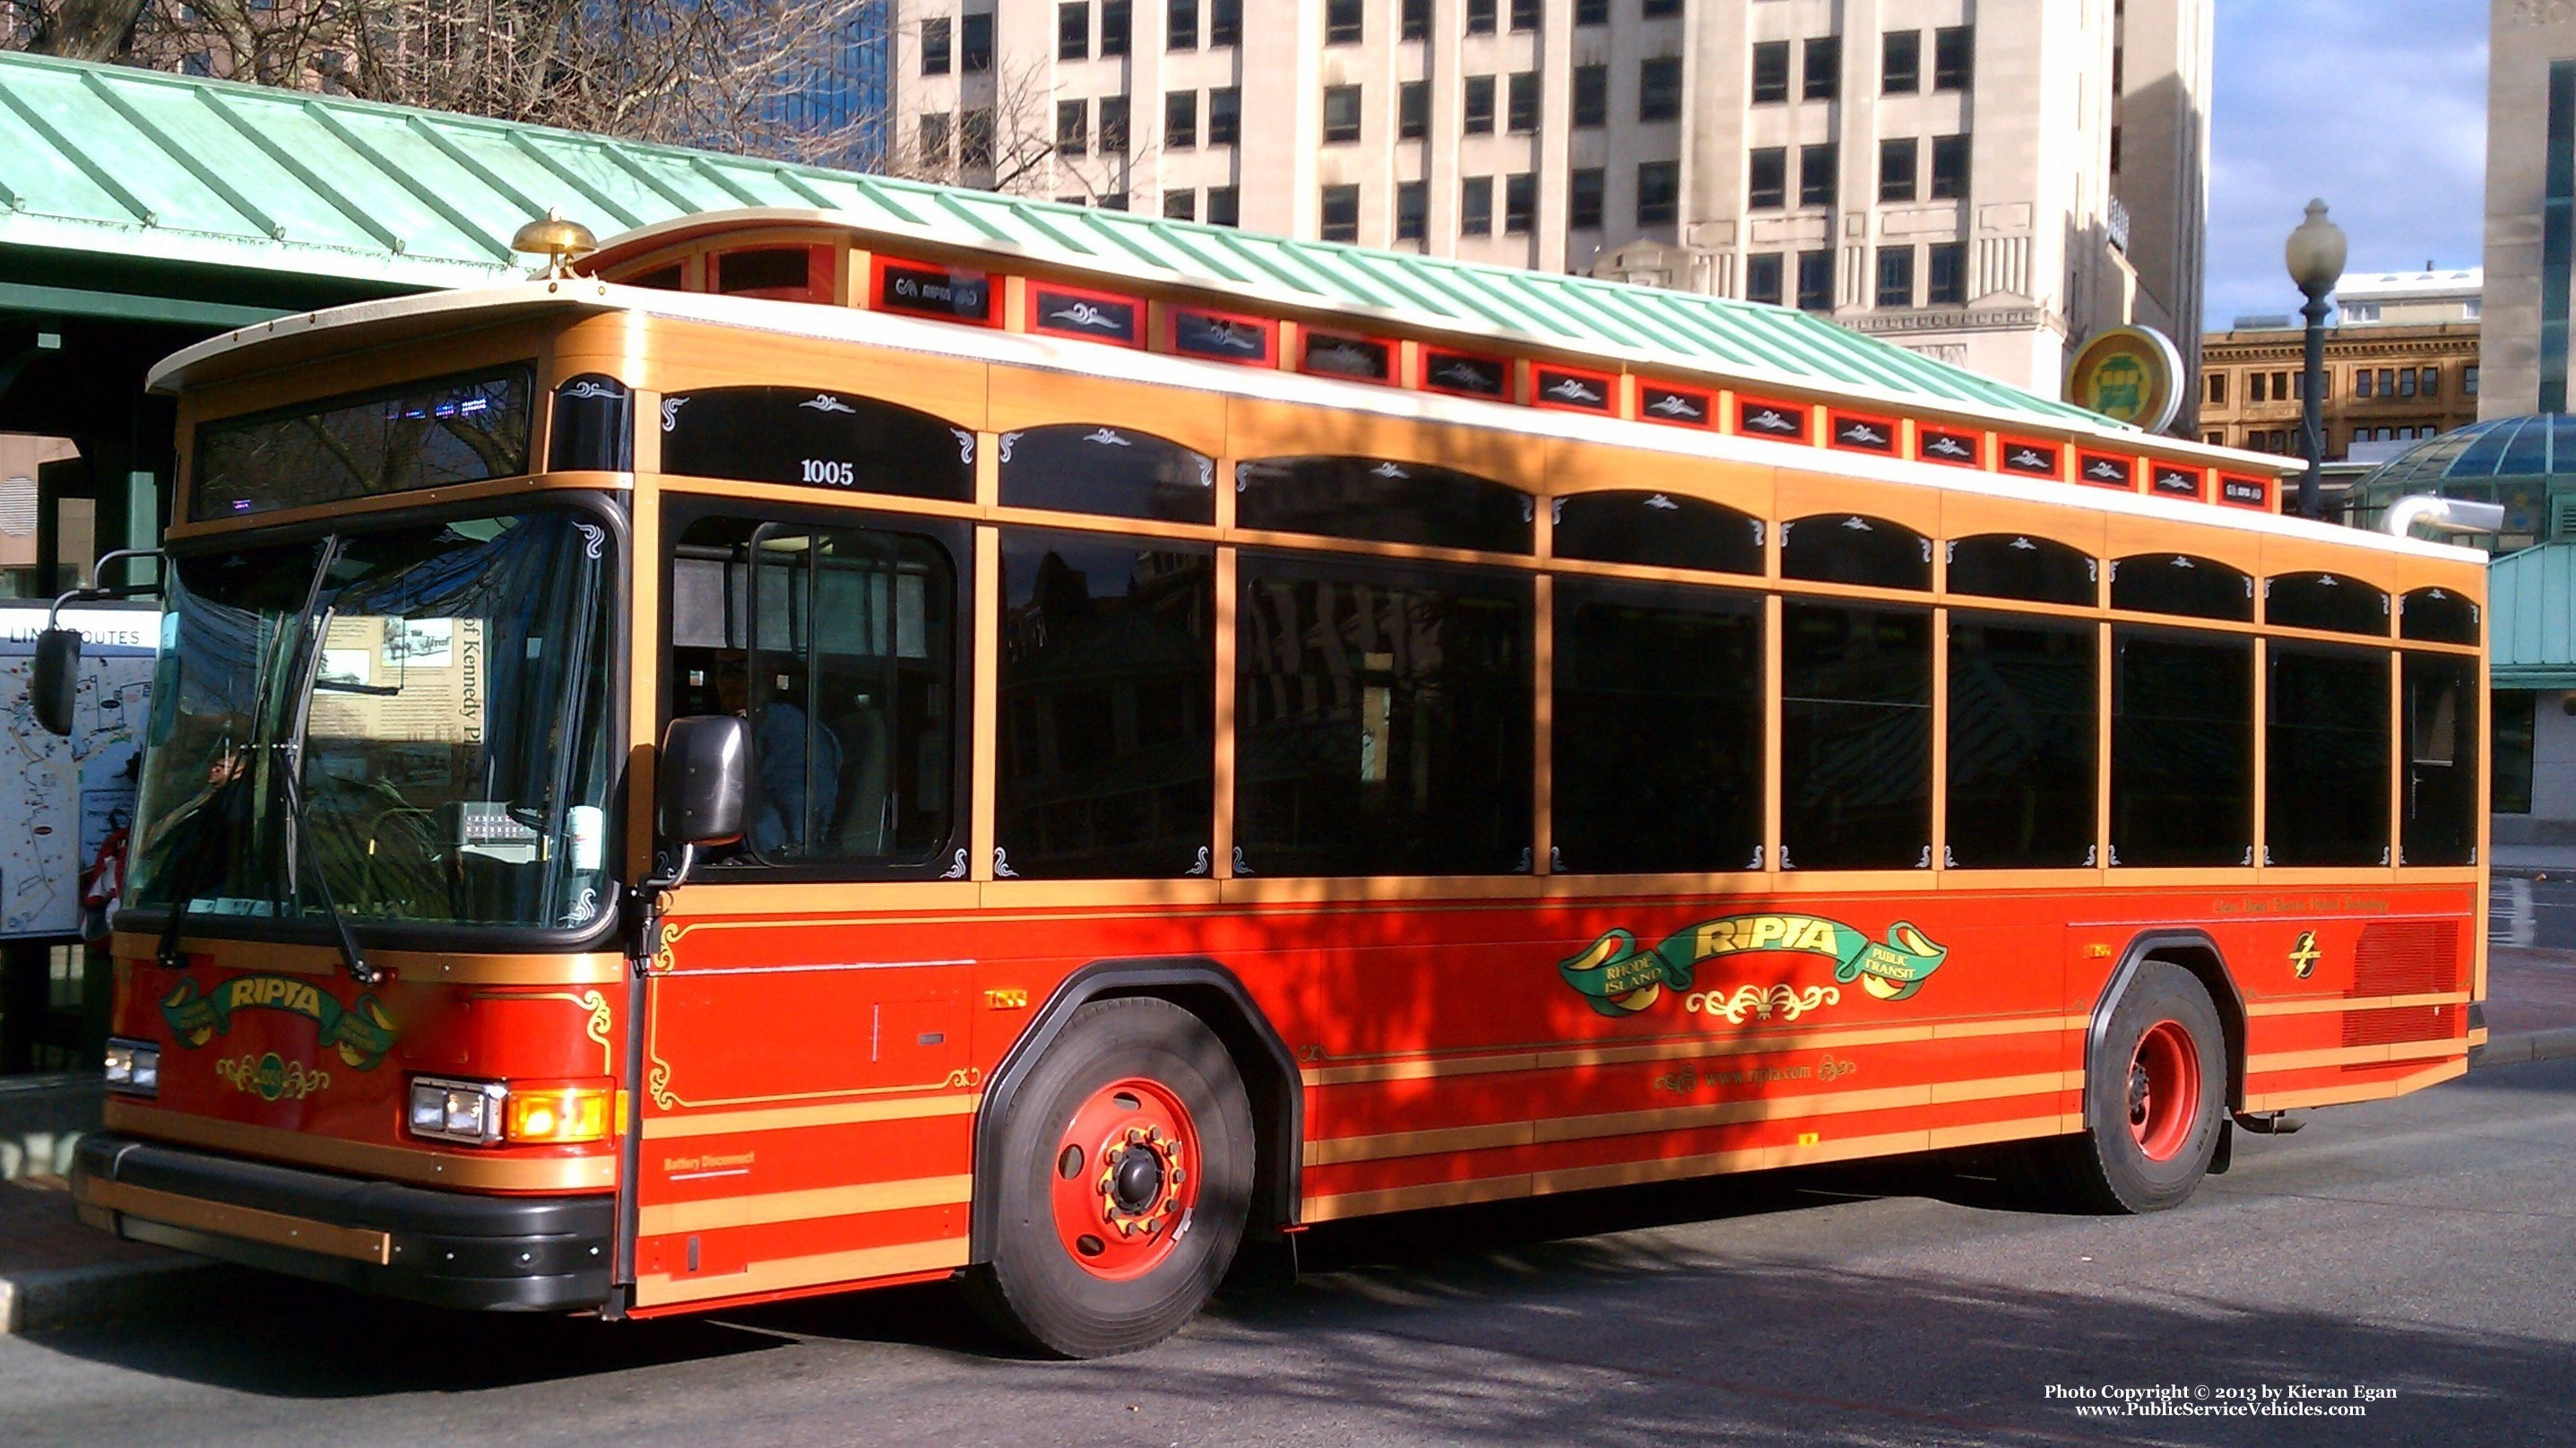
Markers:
point(809, 757)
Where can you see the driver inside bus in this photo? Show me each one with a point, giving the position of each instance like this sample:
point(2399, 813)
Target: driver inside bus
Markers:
point(787, 753)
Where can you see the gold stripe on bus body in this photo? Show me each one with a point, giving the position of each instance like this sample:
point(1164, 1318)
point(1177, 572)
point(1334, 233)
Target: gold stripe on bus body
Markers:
point(785, 1118)
point(466, 1170)
point(2346, 1095)
point(1631, 1173)
point(659, 1289)
point(761, 1208)
point(1332, 1151)
point(2391, 1051)
point(2321, 1005)
point(597, 967)
point(1557, 1056)
point(250, 1224)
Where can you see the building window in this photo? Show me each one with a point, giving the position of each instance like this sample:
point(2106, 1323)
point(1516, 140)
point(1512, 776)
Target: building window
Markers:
point(1583, 193)
point(1658, 9)
point(1824, 75)
point(1341, 113)
point(1946, 274)
point(1114, 201)
point(2256, 387)
point(1180, 120)
point(1762, 273)
point(1954, 57)
point(1476, 206)
point(1815, 281)
point(975, 42)
point(975, 139)
point(1225, 116)
point(1225, 22)
point(1480, 17)
point(2405, 381)
point(1341, 213)
point(1413, 22)
point(1072, 128)
point(1659, 88)
point(1770, 71)
point(934, 139)
point(1073, 30)
point(1816, 167)
point(1896, 163)
point(1113, 128)
point(1412, 210)
point(1659, 192)
point(1181, 24)
point(1949, 167)
point(1900, 62)
point(1224, 206)
point(2432, 386)
point(2218, 388)
point(1520, 204)
point(1767, 178)
point(935, 57)
point(1479, 105)
point(1591, 96)
point(1116, 25)
point(1591, 12)
point(1342, 21)
point(2511, 732)
point(2469, 380)
point(1525, 14)
point(1521, 102)
point(1181, 205)
point(1413, 110)
point(2360, 383)
point(1896, 276)
point(2214, 439)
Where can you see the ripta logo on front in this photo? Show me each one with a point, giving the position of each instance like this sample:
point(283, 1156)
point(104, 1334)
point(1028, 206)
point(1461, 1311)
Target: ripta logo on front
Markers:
point(1620, 980)
point(360, 1031)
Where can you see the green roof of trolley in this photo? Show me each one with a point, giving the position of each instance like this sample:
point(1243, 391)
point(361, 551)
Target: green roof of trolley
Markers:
point(143, 165)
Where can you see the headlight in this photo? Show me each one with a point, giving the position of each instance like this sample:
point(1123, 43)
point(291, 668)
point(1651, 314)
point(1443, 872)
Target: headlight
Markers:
point(133, 1066)
point(467, 1111)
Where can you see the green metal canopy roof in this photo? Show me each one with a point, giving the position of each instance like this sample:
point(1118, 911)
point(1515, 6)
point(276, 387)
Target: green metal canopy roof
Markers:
point(2531, 619)
point(145, 165)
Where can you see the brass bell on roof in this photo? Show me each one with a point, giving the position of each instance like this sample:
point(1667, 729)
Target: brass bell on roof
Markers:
point(557, 240)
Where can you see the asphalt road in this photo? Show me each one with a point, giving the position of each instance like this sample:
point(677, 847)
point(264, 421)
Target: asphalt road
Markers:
point(2423, 1248)
point(2541, 912)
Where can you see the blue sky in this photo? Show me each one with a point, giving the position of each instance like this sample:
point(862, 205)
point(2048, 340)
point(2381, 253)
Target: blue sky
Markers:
point(2378, 106)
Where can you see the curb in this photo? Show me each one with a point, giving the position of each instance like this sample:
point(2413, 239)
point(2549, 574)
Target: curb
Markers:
point(67, 1297)
point(2521, 1046)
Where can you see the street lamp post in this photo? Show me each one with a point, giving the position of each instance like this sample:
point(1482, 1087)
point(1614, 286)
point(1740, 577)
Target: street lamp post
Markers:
point(2315, 256)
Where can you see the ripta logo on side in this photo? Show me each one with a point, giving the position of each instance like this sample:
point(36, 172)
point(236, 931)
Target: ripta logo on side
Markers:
point(1620, 980)
point(360, 1031)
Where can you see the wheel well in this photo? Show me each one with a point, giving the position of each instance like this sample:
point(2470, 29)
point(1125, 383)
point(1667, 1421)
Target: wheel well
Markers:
point(1210, 992)
point(2195, 952)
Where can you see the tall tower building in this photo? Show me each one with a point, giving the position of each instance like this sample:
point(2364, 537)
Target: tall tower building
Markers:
point(2531, 207)
point(1988, 181)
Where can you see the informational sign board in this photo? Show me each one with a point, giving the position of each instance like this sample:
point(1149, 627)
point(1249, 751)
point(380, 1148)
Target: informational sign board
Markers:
point(60, 798)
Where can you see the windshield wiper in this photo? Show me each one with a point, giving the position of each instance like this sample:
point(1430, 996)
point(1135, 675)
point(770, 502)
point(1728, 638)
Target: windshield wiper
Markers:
point(299, 823)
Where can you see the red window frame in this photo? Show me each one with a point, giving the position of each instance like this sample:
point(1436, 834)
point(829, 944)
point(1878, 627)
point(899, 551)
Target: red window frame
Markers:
point(2127, 465)
point(1606, 381)
point(1973, 437)
point(2265, 486)
point(1426, 356)
point(1394, 355)
point(1707, 400)
point(1033, 319)
point(994, 286)
point(818, 272)
point(2055, 450)
point(1267, 327)
point(2159, 472)
point(1806, 413)
point(1835, 420)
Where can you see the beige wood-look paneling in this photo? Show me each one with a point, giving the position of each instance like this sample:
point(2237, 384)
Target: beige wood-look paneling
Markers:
point(1970, 515)
point(1020, 398)
point(1575, 467)
point(1807, 495)
point(684, 355)
point(2127, 536)
point(1256, 428)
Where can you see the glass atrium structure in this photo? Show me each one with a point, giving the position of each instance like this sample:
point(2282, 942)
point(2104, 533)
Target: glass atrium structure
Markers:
point(2526, 463)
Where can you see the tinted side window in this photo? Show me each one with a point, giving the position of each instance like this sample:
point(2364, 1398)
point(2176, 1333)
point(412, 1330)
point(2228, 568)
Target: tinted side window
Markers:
point(1348, 497)
point(2325, 787)
point(2022, 722)
point(594, 426)
point(1382, 718)
point(1078, 468)
point(1855, 737)
point(1658, 530)
point(818, 439)
point(2009, 565)
point(2182, 749)
point(2325, 601)
point(1849, 548)
point(1658, 728)
point(839, 646)
point(2439, 616)
point(2441, 800)
point(2178, 583)
point(1106, 756)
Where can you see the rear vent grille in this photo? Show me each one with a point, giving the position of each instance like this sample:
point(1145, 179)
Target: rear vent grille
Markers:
point(2406, 957)
point(2406, 1023)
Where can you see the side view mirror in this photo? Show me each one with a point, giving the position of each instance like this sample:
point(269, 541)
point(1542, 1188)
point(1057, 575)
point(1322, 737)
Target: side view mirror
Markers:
point(56, 674)
point(705, 774)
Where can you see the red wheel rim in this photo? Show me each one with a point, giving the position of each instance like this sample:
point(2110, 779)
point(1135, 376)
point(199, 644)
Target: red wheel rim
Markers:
point(2164, 1090)
point(1125, 1177)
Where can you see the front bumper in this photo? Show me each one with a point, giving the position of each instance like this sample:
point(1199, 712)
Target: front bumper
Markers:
point(448, 1249)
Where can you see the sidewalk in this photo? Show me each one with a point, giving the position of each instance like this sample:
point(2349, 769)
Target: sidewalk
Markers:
point(2531, 1005)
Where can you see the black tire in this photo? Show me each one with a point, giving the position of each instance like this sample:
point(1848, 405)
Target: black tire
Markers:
point(1031, 1287)
point(2106, 1169)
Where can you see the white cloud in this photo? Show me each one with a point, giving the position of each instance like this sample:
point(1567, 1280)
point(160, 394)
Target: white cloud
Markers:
point(2377, 106)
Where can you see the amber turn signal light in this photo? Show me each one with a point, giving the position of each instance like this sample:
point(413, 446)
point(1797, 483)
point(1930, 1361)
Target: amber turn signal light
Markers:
point(559, 1114)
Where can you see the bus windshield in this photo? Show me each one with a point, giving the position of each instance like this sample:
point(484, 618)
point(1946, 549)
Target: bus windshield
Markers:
point(443, 690)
